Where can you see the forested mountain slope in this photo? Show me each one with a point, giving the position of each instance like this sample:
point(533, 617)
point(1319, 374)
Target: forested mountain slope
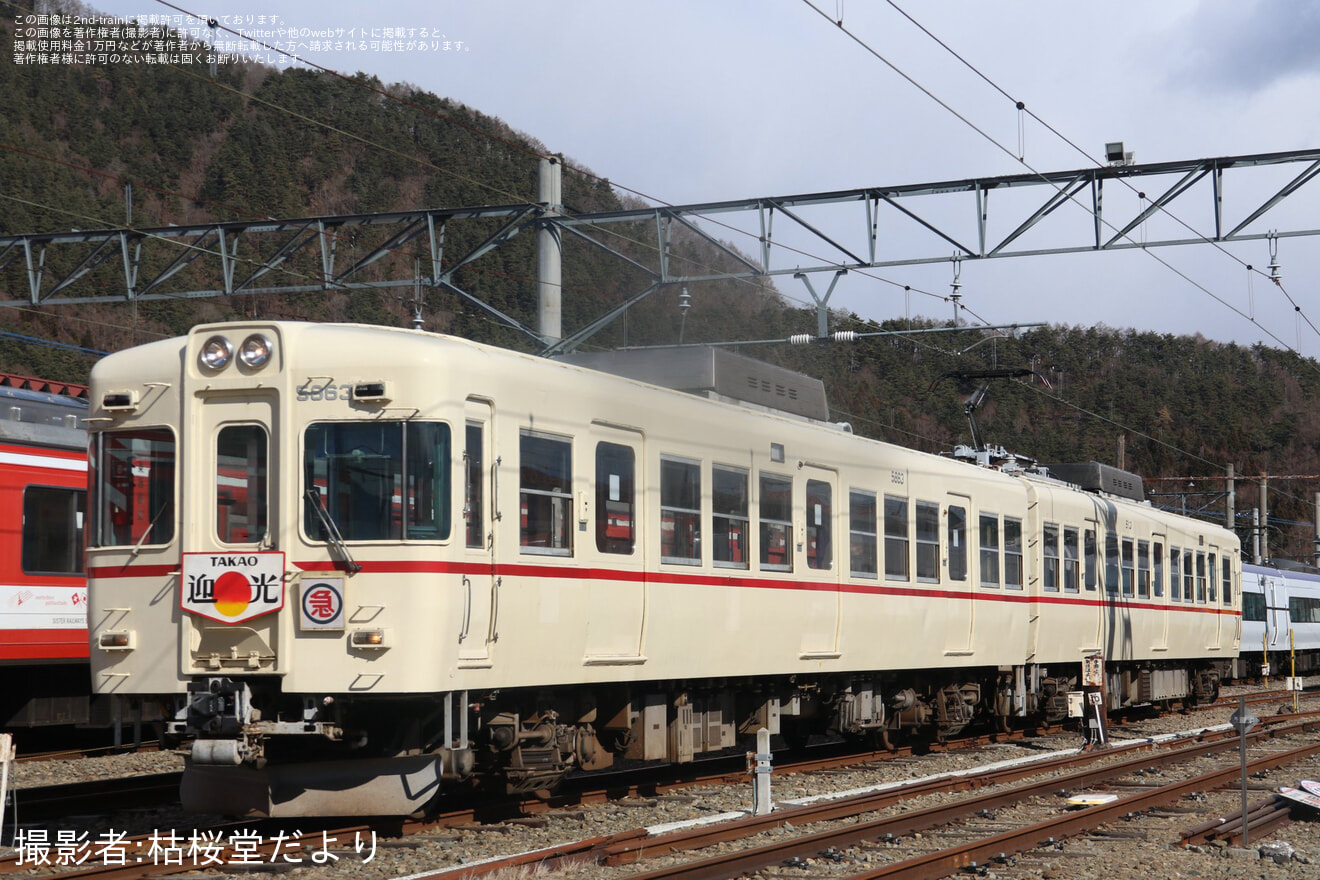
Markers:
point(257, 142)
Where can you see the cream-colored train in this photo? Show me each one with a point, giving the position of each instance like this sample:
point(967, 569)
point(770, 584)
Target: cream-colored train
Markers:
point(364, 565)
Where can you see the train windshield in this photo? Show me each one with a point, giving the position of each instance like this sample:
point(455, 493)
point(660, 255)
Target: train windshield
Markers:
point(134, 486)
point(375, 481)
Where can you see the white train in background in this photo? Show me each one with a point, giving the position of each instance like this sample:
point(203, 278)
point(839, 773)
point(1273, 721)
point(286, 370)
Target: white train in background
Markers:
point(1280, 619)
point(364, 565)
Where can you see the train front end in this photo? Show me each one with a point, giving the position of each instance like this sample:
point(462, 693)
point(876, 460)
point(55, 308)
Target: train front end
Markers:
point(232, 470)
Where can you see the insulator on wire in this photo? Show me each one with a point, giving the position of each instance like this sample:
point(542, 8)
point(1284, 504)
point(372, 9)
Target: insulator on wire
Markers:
point(844, 336)
point(801, 339)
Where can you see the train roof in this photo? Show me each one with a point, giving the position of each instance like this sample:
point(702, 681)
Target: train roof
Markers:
point(707, 371)
point(35, 412)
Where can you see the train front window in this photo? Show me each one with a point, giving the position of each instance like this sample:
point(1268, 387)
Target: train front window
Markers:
point(240, 484)
point(134, 487)
point(377, 481)
point(53, 530)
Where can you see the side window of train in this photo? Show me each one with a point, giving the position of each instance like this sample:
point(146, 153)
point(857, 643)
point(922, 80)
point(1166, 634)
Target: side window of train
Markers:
point(134, 488)
point(1129, 567)
point(680, 511)
point(53, 530)
point(1049, 543)
point(1092, 559)
point(1158, 559)
point(776, 517)
point(1227, 570)
point(1253, 606)
point(957, 530)
point(1113, 566)
point(240, 484)
point(1012, 553)
point(1143, 569)
point(896, 538)
point(1175, 574)
point(862, 556)
point(474, 502)
point(545, 494)
point(1189, 576)
point(820, 522)
point(729, 520)
point(989, 533)
point(616, 497)
point(1303, 609)
point(1072, 560)
point(928, 541)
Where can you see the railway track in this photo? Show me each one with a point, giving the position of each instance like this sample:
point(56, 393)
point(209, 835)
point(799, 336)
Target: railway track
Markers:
point(625, 846)
point(1050, 778)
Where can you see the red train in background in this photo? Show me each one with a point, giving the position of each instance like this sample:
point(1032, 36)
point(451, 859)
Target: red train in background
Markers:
point(44, 676)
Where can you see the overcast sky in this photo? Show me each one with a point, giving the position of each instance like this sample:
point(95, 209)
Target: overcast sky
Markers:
point(701, 100)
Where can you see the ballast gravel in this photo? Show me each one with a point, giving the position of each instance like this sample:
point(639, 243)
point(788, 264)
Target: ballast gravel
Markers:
point(1152, 853)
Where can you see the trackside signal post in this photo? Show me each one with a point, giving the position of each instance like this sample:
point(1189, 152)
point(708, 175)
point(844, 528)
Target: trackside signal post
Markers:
point(1243, 720)
point(1093, 700)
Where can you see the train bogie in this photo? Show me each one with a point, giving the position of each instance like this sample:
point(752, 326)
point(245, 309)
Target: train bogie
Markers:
point(342, 546)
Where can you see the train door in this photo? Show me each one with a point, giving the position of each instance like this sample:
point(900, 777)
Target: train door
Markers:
point(1092, 579)
point(818, 540)
point(477, 631)
point(1040, 556)
point(1276, 611)
point(233, 439)
point(960, 614)
point(1215, 625)
point(611, 530)
point(1160, 639)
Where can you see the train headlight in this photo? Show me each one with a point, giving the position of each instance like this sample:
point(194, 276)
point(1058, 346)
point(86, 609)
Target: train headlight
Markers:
point(117, 640)
point(216, 353)
point(372, 639)
point(255, 351)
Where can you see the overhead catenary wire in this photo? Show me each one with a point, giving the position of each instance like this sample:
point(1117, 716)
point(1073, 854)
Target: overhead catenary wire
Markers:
point(1009, 152)
point(530, 152)
point(1022, 108)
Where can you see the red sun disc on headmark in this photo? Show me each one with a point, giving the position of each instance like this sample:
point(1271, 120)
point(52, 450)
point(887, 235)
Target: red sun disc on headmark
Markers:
point(232, 593)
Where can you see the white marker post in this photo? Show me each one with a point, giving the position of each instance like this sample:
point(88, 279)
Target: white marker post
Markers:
point(758, 764)
point(6, 758)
